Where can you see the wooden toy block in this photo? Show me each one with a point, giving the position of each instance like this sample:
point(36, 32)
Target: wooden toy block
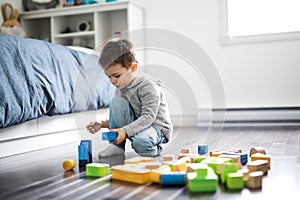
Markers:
point(180, 165)
point(69, 164)
point(137, 160)
point(216, 163)
point(130, 173)
point(235, 181)
point(255, 150)
point(194, 167)
point(245, 173)
point(228, 168)
point(156, 173)
point(186, 150)
point(198, 159)
point(258, 165)
point(168, 158)
point(202, 149)
point(235, 150)
point(111, 136)
point(188, 155)
point(202, 183)
point(97, 169)
point(150, 165)
point(260, 156)
point(85, 152)
point(173, 178)
point(216, 153)
point(255, 180)
point(243, 157)
point(234, 158)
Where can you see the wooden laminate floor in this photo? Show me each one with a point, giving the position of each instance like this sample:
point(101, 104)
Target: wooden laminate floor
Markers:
point(39, 174)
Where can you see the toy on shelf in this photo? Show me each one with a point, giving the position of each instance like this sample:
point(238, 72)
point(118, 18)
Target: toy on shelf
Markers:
point(11, 25)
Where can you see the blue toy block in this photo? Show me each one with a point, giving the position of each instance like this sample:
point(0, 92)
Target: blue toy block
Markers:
point(243, 156)
point(173, 178)
point(202, 149)
point(111, 136)
point(85, 152)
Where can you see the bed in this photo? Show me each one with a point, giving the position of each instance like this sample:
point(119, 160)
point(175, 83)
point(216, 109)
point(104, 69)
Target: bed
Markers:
point(47, 90)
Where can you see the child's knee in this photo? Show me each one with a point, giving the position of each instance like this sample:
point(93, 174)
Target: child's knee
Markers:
point(145, 147)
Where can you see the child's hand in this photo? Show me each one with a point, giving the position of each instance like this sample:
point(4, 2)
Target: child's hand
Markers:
point(121, 135)
point(93, 127)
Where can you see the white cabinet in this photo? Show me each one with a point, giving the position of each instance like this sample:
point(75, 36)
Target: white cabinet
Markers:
point(61, 25)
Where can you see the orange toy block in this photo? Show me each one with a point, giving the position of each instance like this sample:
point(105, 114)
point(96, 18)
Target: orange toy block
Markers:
point(156, 173)
point(130, 173)
point(255, 180)
point(137, 160)
point(69, 165)
point(258, 165)
point(260, 156)
point(180, 165)
point(255, 150)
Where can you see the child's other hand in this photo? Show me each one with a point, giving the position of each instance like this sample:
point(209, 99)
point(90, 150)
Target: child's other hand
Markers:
point(121, 135)
point(93, 127)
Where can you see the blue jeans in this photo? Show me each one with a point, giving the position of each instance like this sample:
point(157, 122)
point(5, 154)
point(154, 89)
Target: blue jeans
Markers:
point(146, 142)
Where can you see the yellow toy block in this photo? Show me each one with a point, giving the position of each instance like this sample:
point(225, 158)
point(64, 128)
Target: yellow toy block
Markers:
point(137, 160)
point(130, 173)
point(180, 165)
point(260, 156)
point(156, 173)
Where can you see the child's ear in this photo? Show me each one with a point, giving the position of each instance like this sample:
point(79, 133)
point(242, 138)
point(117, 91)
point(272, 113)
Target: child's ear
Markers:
point(134, 66)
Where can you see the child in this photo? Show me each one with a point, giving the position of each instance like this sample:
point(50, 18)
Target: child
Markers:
point(139, 110)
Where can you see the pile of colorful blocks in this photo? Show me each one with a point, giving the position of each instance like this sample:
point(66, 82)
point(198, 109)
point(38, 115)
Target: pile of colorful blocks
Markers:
point(200, 173)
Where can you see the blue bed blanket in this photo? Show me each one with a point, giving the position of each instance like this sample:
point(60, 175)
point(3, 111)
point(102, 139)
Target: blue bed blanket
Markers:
point(40, 78)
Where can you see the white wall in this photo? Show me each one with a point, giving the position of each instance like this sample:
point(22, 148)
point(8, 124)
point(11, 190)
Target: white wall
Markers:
point(262, 74)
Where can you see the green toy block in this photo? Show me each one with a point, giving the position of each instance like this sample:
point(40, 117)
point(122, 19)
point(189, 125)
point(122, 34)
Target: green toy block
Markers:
point(235, 181)
point(208, 183)
point(199, 159)
point(228, 168)
point(97, 169)
point(216, 163)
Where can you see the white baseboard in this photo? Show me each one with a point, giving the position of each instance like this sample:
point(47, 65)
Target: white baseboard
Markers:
point(240, 117)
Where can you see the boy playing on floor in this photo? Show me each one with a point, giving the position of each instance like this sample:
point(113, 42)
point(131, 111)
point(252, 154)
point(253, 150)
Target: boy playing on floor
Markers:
point(139, 110)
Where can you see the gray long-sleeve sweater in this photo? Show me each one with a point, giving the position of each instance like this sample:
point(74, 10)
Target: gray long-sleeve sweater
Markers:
point(149, 106)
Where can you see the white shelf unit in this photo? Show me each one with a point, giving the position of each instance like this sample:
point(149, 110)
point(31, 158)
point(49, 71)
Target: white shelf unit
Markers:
point(105, 20)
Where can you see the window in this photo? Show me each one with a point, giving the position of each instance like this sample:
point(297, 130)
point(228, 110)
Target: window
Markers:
point(255, 20)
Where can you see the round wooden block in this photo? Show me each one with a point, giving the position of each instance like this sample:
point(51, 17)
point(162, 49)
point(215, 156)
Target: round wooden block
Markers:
point(69, 164)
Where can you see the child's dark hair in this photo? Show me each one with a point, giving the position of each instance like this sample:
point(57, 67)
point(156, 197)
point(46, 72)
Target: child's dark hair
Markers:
point(117, 51)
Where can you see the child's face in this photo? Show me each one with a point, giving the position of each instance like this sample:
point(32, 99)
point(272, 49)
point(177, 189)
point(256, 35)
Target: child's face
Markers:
point(120, 76)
